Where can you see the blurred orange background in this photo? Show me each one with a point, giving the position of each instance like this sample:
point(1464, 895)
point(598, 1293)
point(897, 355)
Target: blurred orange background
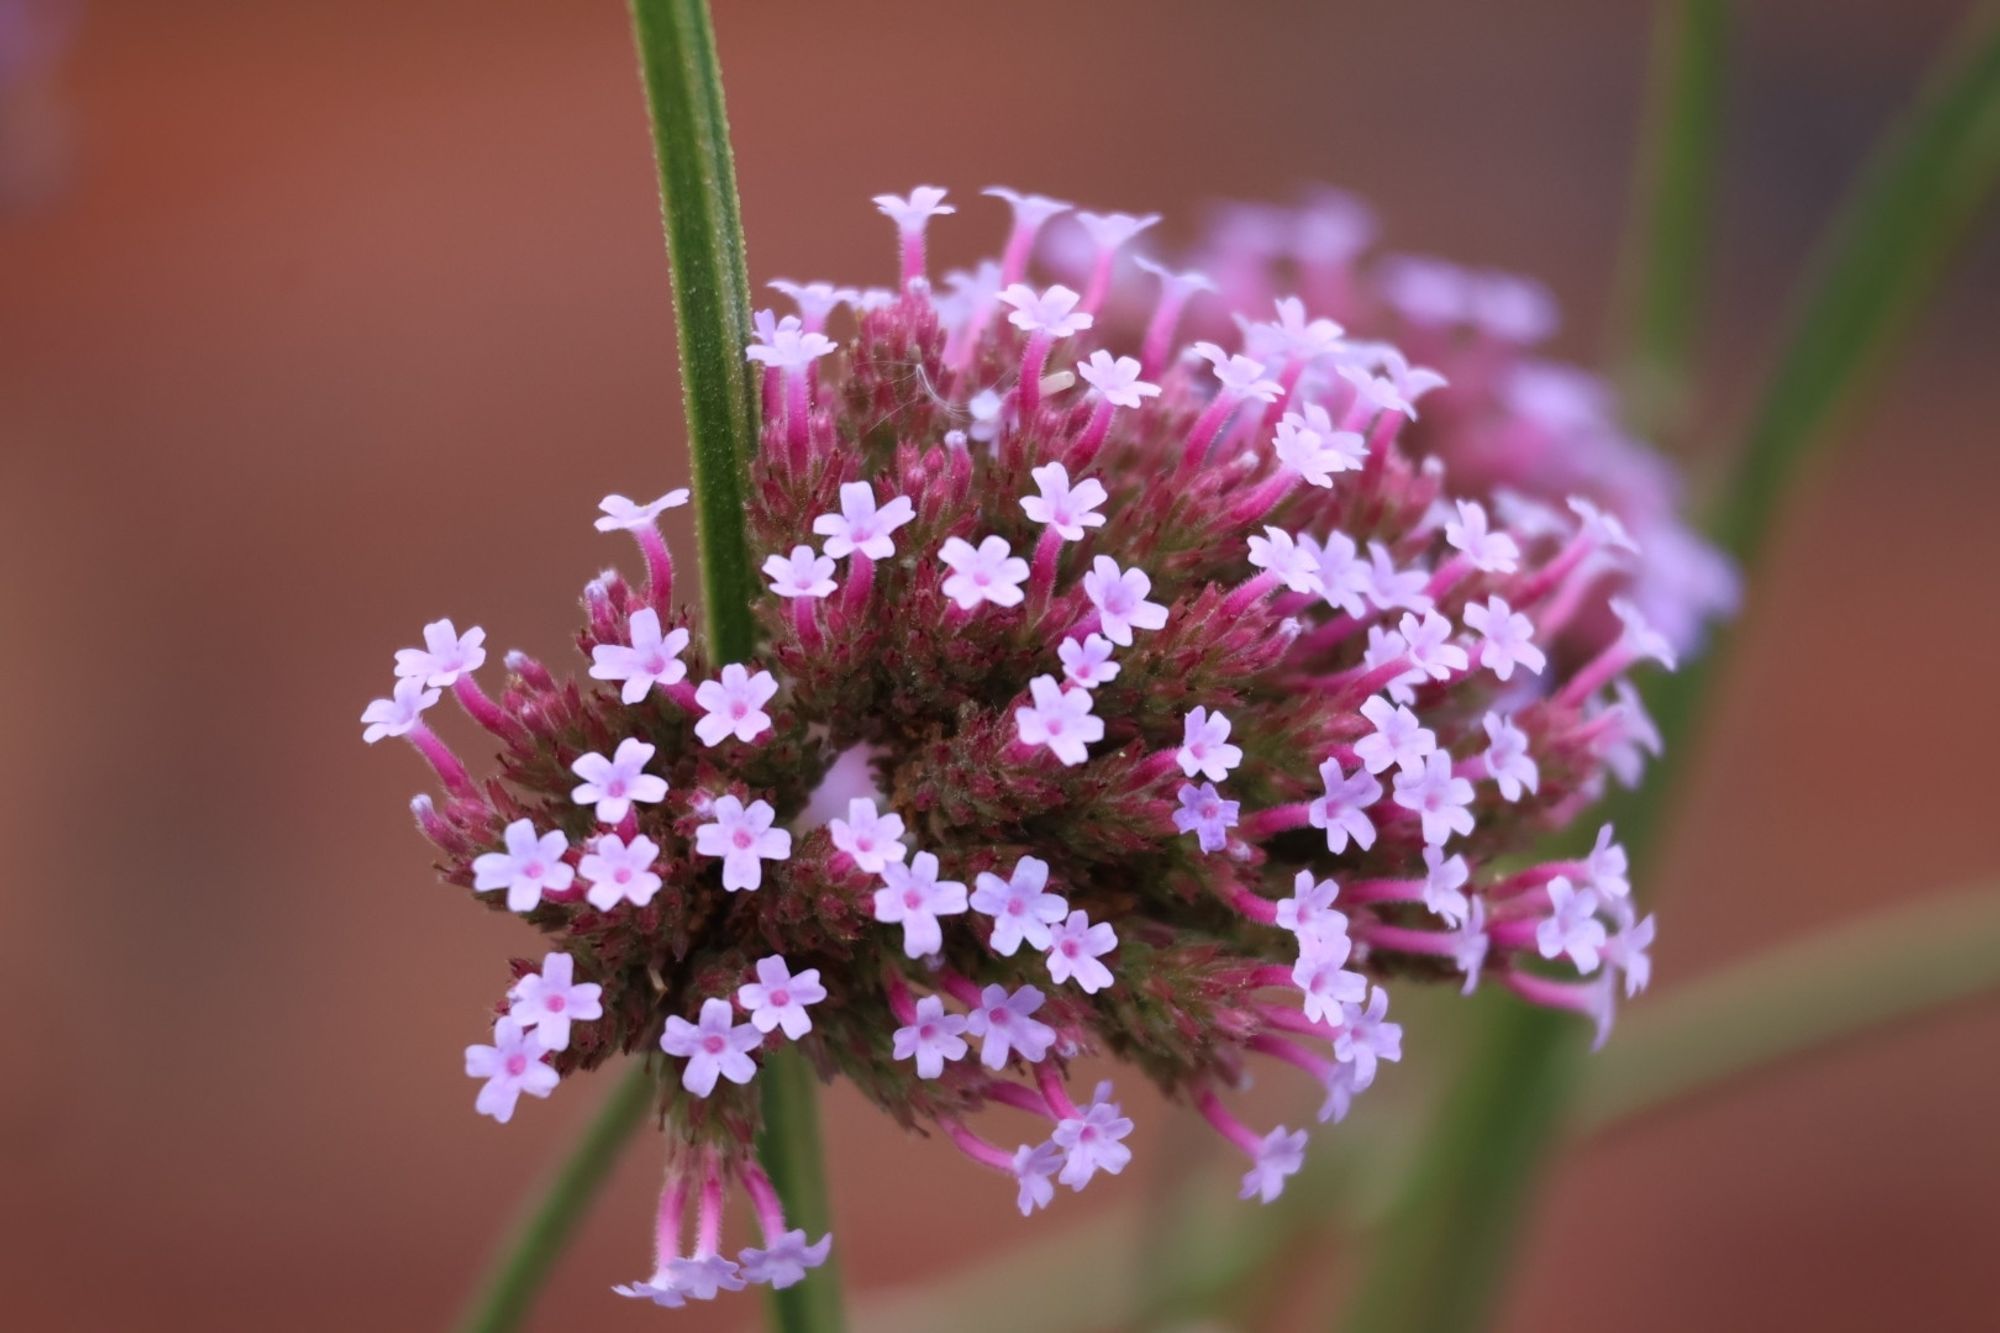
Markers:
point(335, 318)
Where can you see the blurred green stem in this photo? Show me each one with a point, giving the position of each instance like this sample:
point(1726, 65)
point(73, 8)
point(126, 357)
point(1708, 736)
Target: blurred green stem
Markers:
point(1882, 254)
point(711, 284)
point(507, 1292)
point(1673, 207)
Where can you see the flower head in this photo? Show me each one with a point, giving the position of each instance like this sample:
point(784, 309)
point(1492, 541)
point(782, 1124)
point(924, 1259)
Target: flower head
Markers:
point(1252, 754)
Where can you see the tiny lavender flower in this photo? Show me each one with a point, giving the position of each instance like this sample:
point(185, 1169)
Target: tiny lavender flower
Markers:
point(1307, 650)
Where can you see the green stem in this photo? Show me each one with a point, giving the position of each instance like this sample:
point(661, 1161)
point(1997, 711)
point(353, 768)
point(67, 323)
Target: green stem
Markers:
point(683, 79)
point(711, 284)
point(789, 1148)
point(1881, 255)
point(1666, 242)
point(507, 1292)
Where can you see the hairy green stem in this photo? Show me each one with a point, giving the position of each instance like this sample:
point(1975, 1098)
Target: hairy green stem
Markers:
point(507, 1292)
point(1884, 251)
point(711, 286)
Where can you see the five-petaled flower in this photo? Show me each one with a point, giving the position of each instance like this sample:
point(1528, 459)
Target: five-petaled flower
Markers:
point(872, 840)
point(931, 1038)
point(614, 784)
point(1005, 1025)
point(1075, 945)
point(988, 572)
point(803, 573)
point(743, 837)
point(619, 871)
point(735, 705)
point(1120, 598)
point(617, 512)
point(512, 1065)
point(1060, 718)
point(532, 865)
point(1021, 906)
point(550, 1000)
point(715, 1047)
point(914, 897)
point(445, 656)
point(652, 658)
point(860, 526)
point(1205, 747)
point(778, 998)
point(1066, 508)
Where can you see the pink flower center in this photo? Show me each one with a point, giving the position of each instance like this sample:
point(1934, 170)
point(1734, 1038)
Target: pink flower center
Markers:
point(781, 998)
point(713, 1044)
point(555, 1004)
point(912, 899)
point(742, 839)
point(533, 870)
point(517, 1064)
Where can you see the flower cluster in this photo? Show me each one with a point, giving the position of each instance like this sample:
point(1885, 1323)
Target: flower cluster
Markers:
point(1162, 707)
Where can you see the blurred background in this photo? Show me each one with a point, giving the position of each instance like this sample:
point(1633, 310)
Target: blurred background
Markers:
point(318, 321)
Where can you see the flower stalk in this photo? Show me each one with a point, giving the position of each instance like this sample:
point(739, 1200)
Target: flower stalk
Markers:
point(711, 288)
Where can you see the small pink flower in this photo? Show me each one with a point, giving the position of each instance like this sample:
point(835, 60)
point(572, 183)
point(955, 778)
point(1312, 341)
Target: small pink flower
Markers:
point(1020, 905)
point(715, 1047)
point(531, 866)
point(932, 1039)
point(743, 837)
point(652, 659)
point(445, 656)
point(989, 572)
point(778, 998)
point(550, 1000)
point(1065, 508)
point(735, 705)
point(612, 785)
point(914, 897)
point(1205, 747)
point(1059, 718)
point(512, 1065)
